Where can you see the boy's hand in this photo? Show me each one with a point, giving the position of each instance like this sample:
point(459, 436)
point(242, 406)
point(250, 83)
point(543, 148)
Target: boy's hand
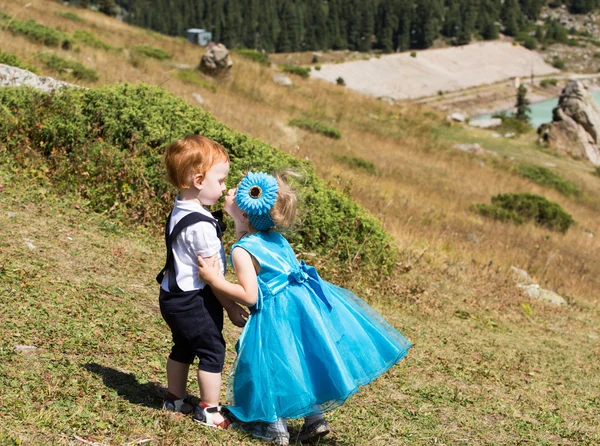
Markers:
point(237, 315)
point(209, 269)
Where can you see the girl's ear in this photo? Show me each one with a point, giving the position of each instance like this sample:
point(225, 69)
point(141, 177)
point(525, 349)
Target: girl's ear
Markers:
point(197, 180)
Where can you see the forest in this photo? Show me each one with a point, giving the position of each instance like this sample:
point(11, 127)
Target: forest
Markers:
point(359, 25)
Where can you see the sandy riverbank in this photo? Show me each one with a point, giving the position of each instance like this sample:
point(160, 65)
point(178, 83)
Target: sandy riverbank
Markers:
point(400, 76)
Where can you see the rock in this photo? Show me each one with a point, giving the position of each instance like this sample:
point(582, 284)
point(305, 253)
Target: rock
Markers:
point(216, 60)
point(14, 77)
point(522, 275)
point(282, 80)
point(457, 117)
point(198, 98)
point(575, 125)
point(486, 123)
point(26, 349)
point(471, 148)
point(535, 291)
point(509, 135)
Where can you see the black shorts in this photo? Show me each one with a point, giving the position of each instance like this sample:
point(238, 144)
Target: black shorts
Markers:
point(196, 322)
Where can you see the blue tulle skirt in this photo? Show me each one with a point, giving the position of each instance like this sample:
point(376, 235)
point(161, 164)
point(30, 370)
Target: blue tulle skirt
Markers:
point(307, 349)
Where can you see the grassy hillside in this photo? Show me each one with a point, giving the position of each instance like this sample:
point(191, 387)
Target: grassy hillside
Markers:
point(490, 366)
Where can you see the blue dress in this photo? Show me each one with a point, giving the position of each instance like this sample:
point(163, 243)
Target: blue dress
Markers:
point(308, 344)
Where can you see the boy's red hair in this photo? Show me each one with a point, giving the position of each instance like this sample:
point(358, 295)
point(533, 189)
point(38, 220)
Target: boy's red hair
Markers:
point(192, 154)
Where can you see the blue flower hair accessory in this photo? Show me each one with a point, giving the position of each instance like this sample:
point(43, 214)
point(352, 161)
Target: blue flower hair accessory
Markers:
point(256, 195)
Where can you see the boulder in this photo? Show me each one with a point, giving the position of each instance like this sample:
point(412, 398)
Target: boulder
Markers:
point(575, 125)
point(486, 123)
point(282, 80)
point(14, 77)
point(216, 60)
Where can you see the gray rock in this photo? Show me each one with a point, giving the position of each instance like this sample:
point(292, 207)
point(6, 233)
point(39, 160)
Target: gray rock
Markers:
point(198, 98)
point(26, 349)
point(575, 125)
point(471, 148)
point(15, 77)
point(535, 291)
point(457, 117)
point(486, 123)
point(282, 80)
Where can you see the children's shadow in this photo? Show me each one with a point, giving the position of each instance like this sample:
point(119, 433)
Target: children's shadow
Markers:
point(126, 384)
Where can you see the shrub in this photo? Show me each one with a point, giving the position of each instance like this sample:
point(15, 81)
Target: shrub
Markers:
point(254, 55)
point(530, 43)
point(520, 208)
point(192, 77)
point(106, 145)
point(358, 163)
point(545, 177)
point(316, 127)
point(558, 63)
point(315, 59)
point(149, 51)
point(36, 32)
point(90, 40)
point(545, 83)
point(14, 61)
point(318, 67)
point(512, 124)
point(70, 16)
point(340, 81)
point(63, 66)
point(596, 172)
point(294, 69)
point(413, 54)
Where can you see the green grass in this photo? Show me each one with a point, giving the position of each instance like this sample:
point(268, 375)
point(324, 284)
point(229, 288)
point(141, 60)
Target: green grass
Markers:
point(149, 51)
point(14, 61)
point(67, 68)
point(254, 55)
point(70, 16)
point(297, 70)
point(315, 126)
point(35, 32)
point(545, 177)
point(89, 39)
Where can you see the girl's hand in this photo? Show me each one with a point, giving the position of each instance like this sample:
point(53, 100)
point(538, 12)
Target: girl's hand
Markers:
point(209, 269)
point(237, 315)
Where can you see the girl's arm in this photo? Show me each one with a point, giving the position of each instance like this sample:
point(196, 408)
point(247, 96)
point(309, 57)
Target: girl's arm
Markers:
point(236, 314)
point(245, 292)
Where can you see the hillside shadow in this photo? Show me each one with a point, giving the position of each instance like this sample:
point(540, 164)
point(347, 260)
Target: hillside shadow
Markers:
point(127, 386)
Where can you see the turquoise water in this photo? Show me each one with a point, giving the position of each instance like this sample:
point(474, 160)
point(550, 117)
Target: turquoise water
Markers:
point(542, 111)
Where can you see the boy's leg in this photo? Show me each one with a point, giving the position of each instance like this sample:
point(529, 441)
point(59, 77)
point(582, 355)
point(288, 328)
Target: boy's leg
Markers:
point(177, 375)
point(210, 391)
point(274, 433)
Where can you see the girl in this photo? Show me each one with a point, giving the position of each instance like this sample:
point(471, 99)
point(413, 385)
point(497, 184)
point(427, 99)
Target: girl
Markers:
point(308, 344)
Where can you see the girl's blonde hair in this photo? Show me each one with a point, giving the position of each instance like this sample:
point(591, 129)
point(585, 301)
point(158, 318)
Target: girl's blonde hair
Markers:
point(192, 154)
point(285, 209)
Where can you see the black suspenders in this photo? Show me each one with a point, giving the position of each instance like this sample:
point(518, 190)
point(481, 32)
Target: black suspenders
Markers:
point(189, 219)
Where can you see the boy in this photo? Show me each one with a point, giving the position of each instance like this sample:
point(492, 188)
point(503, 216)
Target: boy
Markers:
point(198, 167)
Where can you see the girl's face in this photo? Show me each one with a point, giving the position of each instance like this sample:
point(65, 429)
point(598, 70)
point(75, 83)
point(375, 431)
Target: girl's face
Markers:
point(232, 208)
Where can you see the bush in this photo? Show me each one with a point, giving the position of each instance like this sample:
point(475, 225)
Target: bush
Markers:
point(340, 81)
point(316, 127)
point(70, 16)
point(520, 208)
point(530, 43)
point(545, 177)
point(254, 55)
point(512, 124)
point(149, 51)
point(14, 61)
point(545, 83)
point(413, 54)
point(90, 40)
point(358, 163)
point(106, 145)
point(294, 69)
point(596, 172)
point(36, 32)
point(558, 63)
point(63, 66)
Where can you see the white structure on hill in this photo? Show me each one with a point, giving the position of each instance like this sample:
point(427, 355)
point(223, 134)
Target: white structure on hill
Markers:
point(199, 36)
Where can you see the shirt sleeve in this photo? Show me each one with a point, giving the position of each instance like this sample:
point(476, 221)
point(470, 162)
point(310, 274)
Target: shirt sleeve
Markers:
point(202, 237)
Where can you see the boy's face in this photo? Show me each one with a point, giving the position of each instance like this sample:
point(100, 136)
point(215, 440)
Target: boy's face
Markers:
point(212, 184)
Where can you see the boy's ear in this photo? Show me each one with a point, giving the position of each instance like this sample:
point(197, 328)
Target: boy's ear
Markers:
point(197, 180)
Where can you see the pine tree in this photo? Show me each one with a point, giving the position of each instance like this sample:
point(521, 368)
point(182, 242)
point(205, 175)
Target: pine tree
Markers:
point(511, 17)
point(386, 25)
point(522, 105)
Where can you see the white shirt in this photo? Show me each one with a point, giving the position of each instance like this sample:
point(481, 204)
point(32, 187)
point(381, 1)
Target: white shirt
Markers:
point(199, 239)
